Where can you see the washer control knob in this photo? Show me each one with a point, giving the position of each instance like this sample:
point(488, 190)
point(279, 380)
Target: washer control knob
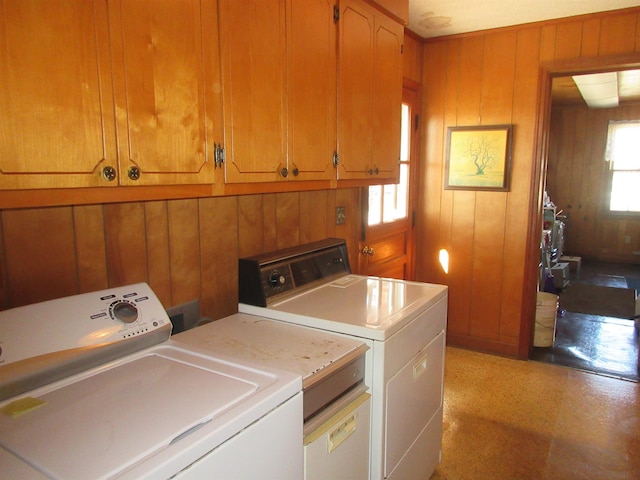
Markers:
point(276, 279)
point(124, 311)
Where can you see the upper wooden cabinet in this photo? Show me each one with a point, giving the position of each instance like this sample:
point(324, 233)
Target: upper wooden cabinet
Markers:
point(397, 8)
point(279, 64)
point(102, 93)
point(55, 94)
point(90, 90)
point(166, 72)
point(369, 93)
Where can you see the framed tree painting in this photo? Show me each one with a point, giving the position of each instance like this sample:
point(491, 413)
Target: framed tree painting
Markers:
point(478, 158)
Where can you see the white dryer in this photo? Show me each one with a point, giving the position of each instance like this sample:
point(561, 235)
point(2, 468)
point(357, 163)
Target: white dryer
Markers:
point(91, 386)
point(403, 323)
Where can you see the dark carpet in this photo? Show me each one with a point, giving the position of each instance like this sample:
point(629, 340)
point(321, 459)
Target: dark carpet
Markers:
point(603, 345)
point(598, 300)
point(633, 283)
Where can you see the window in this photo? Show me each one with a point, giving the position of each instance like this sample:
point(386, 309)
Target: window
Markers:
point(388, 203)
point(623, 155)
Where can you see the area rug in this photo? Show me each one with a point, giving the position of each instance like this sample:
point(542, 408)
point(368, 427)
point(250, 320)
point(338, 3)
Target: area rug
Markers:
point(597, 300)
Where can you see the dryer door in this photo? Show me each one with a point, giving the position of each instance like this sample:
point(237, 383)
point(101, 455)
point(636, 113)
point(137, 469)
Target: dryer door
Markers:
point(417, 388)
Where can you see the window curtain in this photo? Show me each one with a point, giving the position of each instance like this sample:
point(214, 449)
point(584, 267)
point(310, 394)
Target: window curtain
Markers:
point(623, 145)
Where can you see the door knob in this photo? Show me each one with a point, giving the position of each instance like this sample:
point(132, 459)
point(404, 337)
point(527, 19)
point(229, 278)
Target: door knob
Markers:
point(368, 251)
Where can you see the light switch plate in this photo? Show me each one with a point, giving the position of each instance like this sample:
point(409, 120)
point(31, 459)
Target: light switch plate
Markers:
point(340, 215)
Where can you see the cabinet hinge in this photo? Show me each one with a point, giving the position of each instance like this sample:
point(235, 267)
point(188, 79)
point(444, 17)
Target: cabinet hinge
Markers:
point(336, 159)
point(336, 13)
point(417, 122)
point(218, 154)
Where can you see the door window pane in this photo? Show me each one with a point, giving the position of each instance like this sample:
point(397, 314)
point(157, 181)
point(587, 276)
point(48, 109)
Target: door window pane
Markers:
point(389, 203)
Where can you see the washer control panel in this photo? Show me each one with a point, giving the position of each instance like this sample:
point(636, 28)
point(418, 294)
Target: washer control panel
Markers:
point(85, 320)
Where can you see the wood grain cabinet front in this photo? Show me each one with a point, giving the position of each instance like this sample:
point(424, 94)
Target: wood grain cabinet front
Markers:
point(96, 94)
point(279, 81)
point(369, 93)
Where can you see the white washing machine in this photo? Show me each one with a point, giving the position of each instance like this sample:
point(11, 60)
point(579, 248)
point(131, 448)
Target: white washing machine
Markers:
point(403, 323)
point(91, 386)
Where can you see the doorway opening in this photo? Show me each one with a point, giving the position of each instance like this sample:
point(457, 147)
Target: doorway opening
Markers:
point(579, 184)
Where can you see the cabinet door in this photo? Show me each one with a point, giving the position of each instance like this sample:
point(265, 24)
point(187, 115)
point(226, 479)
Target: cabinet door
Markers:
point(355, 89)
point(311, 89)
point(253, 52)
point(55, 93)
point(370, 93)
point(167, 85)
point(387, 97)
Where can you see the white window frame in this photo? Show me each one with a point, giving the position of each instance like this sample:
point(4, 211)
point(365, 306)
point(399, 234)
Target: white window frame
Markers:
point(623, 156)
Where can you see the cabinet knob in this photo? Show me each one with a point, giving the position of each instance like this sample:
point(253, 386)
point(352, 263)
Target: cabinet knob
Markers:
point(284, 172)
point(375, 170)
point(296, 172)
point(133, 173)
point(109, 173)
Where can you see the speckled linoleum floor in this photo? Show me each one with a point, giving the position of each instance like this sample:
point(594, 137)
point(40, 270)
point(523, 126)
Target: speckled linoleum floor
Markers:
point(511, 419)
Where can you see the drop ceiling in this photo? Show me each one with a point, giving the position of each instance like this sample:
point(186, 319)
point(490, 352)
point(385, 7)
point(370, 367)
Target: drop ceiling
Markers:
point(564, 90)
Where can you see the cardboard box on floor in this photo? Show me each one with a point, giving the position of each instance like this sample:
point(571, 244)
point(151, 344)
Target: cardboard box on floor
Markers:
point(560, 272)
point(574, 263)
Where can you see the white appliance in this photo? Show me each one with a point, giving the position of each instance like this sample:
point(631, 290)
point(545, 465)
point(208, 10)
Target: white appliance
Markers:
point(336, 400)
point(403, 323)
point(91, 386)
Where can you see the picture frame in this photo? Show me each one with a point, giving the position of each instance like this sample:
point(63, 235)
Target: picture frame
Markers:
point(478, 158)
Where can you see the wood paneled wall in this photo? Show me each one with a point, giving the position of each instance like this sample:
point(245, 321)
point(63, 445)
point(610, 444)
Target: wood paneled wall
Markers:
point(578, 184)
point(494, 77)
point(185, 249)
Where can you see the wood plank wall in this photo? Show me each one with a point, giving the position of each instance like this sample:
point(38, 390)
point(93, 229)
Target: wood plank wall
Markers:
point(493, 77)
point(578, 184)
point(185, 249)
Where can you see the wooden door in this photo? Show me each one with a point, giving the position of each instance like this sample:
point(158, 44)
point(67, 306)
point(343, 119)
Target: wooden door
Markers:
point(387, 249)
point(253, 54)
point(55, 94)
point(167, 90)
point(355, 89)
point(311, 90)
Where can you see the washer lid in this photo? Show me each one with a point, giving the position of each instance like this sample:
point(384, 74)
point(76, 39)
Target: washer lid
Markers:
point(105, 421)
